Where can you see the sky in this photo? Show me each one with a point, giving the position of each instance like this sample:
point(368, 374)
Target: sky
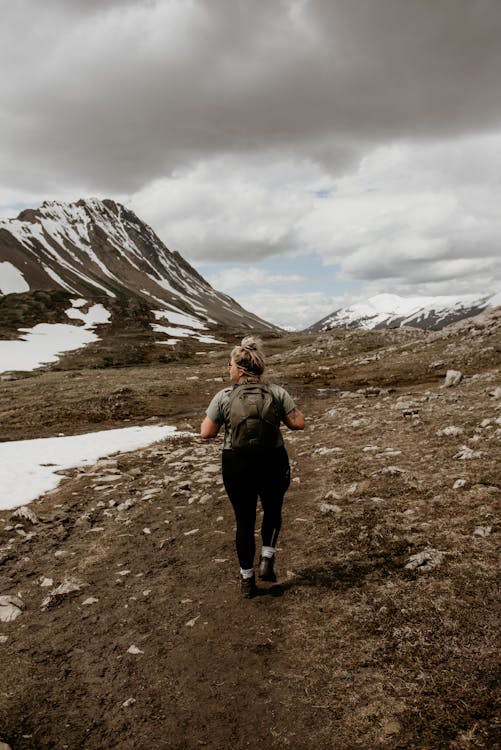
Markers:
point(301, 154)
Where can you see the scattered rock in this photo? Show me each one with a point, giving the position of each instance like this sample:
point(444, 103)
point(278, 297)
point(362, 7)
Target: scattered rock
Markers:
point(125, 505)
point(67, 587)
point(10, 607)
point(483, 531)
point(458, 484)
point(452, 377)
point(450, 431)
point(331, 495)
point(410, 413)
point(465, 453)
point(26, 513)
point(134, 650)
point(128, 702)
point(212, 469)
point(424, 562)
point(324, 451)
point(329, 508)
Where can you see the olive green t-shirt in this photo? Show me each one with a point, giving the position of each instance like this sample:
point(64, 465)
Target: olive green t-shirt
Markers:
point(219, 410)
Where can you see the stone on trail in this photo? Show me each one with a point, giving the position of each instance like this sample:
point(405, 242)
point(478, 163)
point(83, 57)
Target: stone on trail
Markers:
point(452, 377)
point(424, 562)
point(465, 453)
point(331, 495)
point(10, 607)
point(212, 469)
point(90, 600)
point(126, 505)
point(451, 430)
point(329, 508)
point(108, 478)
point(67, 587)
point(26, 513)
point(134, 650)
point(482, 531)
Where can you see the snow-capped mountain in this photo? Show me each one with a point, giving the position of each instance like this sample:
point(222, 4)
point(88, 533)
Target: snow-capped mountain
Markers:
point(96, 248)
point(392, 311)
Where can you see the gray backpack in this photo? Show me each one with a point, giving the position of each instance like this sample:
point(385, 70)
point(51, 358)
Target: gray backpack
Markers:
point(254, 417)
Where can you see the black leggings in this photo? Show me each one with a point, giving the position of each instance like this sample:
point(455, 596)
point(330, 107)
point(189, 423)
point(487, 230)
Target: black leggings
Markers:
point(246, 476)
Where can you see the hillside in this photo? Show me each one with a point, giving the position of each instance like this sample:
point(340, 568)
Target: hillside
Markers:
point(383, 628)
point(98, 249)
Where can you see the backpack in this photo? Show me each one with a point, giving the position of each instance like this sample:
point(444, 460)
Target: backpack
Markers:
point(254, 417)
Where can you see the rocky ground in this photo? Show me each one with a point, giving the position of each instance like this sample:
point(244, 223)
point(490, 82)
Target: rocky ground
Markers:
point(123, 622)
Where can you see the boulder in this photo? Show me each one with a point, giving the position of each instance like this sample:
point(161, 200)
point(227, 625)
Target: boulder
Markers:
point(452, 377)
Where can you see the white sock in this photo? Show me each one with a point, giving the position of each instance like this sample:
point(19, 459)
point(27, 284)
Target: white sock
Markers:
point(246, 572)
point(268, 551)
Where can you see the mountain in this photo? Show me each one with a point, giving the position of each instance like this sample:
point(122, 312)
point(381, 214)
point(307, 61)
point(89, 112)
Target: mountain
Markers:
point(98, 248)
point(391, 311)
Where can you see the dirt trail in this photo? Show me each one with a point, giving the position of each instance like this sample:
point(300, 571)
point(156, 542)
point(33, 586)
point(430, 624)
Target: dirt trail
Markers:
point(352, 648)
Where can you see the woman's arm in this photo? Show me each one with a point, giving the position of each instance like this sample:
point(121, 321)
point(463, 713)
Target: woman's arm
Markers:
point(294, 420)
point(208, 429)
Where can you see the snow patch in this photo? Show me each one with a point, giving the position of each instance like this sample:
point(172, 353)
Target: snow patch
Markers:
point(43, 343)
point(28, 467)
point(12, 280)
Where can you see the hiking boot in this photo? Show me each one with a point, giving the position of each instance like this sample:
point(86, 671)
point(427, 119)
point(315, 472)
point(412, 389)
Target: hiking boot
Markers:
point(266, 572)
point(248, 586)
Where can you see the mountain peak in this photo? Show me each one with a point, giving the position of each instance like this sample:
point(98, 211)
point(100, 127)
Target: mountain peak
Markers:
point(95, 247)
point(391, 311)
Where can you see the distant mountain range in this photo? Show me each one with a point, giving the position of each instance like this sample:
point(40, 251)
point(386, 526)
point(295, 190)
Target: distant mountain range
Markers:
point(98, 248)
point(391, 311)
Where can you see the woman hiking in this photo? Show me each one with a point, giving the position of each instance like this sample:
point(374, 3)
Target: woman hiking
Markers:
point(254, 461)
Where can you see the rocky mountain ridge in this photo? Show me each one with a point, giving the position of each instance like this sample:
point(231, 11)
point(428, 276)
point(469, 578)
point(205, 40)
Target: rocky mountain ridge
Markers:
point(391, 311)
point(99, 248)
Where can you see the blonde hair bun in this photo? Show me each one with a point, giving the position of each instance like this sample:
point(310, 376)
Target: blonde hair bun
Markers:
point(249, 356)
point(253, 343)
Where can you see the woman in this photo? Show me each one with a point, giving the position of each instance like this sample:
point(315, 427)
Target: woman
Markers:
point(258, 464)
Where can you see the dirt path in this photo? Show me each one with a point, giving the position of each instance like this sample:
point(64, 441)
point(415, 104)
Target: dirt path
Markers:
point(352, 648)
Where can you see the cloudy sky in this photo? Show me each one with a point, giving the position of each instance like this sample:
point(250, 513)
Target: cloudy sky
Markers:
point(301, 154)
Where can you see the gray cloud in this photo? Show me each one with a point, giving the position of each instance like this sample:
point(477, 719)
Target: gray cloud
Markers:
point(365, 133)
point(111, 95)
